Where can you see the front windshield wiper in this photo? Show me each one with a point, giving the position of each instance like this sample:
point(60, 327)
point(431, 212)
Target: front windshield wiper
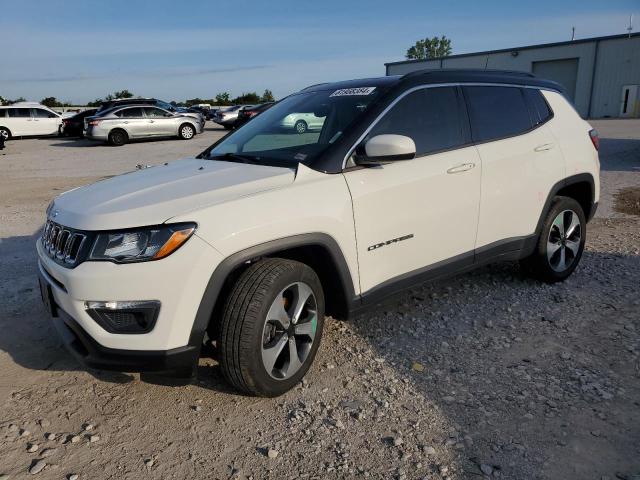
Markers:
point(236, 157)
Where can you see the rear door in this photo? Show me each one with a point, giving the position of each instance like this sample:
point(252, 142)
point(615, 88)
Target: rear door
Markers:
point(160, 122)
point(134, 122)
point(520, 162)
point(45, 122)
point(20, 122)
point(412, 216)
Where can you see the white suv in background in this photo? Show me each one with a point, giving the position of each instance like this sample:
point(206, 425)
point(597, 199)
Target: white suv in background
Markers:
point(246, 247)
point(28, 119)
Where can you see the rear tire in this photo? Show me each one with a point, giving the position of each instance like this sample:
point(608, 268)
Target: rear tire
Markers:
point(560, 244)
point(271, 327)
point(117, 138)
point(186, 131)
point(4, 132)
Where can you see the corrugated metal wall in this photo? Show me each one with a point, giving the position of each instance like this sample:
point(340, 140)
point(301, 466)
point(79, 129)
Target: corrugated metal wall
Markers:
point(618, 64)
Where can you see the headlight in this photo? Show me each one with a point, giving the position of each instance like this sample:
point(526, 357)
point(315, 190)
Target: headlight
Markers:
point(140, 245)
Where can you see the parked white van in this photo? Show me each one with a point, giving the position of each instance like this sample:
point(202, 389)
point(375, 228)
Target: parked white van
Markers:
point(28, 118)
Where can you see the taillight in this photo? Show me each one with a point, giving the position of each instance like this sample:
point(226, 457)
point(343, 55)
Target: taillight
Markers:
point(593, 135)
point(252, 114)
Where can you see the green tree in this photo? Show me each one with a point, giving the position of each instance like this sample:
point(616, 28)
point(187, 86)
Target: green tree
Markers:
point(123, 94)
point(50, 102)
point(246, 99)
point(223, 98)
point(267, 96)
point(430, 48)
point(194, 101)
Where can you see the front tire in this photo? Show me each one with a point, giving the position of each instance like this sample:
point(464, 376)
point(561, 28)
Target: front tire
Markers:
point(561, 242)
point(5, 133)
point(186, 131)
point(117, 138)
point(271, 327)
point(301, 127)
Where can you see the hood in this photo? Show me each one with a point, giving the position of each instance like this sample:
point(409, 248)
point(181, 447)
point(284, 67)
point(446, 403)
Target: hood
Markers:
point(153, 195)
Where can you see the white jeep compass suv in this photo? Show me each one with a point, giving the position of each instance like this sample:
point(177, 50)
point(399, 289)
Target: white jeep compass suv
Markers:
point(250, 244)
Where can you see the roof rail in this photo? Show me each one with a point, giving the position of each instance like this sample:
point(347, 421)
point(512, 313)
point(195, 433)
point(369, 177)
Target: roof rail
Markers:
point(469, 71)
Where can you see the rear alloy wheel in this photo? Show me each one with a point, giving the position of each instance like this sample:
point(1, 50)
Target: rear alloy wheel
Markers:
point(271, 327)
point(5, 133)
point(117, 138)
point(300, 126)
point(186, 131)
point(560, 244)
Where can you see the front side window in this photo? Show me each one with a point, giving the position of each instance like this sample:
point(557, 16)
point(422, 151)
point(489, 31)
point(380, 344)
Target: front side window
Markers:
point(496, 112)
point(20, 113)
point(153, 112)
point(41, 113)
point(297, 129)
point(3, 112)
point(429, 116)
point(130, 113)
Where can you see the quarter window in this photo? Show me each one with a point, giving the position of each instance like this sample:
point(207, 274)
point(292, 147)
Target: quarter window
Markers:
point(3, 112)
point(430, 116)
point(496, 112)
point(540, 111)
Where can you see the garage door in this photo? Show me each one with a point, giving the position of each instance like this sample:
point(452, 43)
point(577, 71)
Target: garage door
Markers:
point(564, 71)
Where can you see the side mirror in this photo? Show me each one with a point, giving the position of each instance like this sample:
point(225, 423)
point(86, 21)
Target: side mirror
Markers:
point(385, 148)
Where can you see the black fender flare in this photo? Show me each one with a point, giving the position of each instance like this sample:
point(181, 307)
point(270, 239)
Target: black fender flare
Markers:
point(232, 262)
point(572, 180)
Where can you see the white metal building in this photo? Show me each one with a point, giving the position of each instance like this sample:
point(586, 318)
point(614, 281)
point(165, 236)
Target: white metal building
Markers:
point(600, 74)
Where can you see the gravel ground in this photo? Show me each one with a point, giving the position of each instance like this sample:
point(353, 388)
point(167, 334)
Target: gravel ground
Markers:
point(484, 375)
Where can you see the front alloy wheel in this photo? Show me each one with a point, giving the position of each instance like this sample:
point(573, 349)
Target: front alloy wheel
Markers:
point(289, 331)
point(271, 326)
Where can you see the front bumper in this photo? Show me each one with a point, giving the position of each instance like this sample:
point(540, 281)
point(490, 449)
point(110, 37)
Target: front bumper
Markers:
point(177, 362)
point(178, 282)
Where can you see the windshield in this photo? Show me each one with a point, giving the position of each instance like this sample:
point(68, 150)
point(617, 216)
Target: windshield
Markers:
point(297, 129)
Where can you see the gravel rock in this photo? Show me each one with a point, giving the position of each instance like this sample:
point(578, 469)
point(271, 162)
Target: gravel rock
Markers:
point(37, 467)
point(271, 453)
point(47, 452)
point(93, 438)
point(72, 476)
point(50, 436)
point(32, 447)
point(486, 469)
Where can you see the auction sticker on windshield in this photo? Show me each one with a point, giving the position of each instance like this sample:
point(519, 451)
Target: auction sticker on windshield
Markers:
point(353, 91)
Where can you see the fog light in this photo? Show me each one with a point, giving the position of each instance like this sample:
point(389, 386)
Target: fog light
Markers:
point(125, 317)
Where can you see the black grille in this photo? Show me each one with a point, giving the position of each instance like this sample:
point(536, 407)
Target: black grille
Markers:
point(62, 244)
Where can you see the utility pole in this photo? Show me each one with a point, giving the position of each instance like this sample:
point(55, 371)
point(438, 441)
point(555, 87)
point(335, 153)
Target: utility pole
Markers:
point(630, 27)
point(573, 33)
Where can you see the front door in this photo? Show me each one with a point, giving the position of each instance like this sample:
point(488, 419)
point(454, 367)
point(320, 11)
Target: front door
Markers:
point(415, 215)
point(160, 122)
point(44, 122)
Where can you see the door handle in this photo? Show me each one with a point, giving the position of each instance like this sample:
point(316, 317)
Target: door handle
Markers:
point(151, 121)
point(543, 147)
point(126, 121)
point(461, 168)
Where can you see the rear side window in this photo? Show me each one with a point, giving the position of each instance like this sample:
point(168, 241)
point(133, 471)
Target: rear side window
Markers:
point(20, 113)
point(430, 116)
point(3, 112)
point(130, 113)
point(538, 107)
point(496, 112)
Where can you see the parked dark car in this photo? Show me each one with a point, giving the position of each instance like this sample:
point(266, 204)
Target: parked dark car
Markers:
point(247, 113)
point(73, 126)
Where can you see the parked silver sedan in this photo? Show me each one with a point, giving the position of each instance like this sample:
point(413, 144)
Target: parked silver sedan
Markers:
point(118, 125)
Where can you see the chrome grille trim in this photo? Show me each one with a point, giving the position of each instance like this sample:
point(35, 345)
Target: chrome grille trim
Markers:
point(62, 244)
